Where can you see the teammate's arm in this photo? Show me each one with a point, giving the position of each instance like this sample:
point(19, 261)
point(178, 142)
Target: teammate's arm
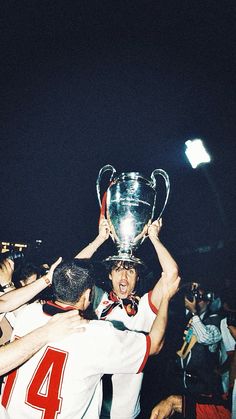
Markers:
point(157, 332)
point(168, 264)
point(16, 298)
point(15, 353)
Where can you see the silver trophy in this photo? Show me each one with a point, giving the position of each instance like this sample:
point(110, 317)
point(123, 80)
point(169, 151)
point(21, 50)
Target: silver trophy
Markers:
point(129, 206)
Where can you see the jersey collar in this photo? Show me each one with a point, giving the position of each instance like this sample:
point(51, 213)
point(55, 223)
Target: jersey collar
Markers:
point(50, 308)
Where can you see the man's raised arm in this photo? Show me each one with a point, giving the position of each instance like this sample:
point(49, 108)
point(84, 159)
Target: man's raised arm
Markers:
point(158, 329)
point(169, 266)
point(91, 248)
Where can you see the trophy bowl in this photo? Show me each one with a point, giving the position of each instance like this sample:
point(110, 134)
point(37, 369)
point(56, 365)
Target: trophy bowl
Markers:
point(129, 205)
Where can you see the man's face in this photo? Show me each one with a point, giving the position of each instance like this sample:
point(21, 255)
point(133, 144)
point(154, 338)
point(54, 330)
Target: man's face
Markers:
point(123, 280)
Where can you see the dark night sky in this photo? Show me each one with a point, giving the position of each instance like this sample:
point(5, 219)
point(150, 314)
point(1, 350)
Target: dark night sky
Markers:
point(86, 83)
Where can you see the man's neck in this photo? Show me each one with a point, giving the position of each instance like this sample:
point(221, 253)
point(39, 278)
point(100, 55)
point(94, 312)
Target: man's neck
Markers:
point(64, 304)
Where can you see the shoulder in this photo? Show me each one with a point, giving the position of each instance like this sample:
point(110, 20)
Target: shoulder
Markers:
point(100, 328)
point(30, 309)
point(146, 304)
point(29, 318)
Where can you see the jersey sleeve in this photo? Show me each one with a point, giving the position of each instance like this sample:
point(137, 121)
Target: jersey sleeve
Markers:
point(146, 315)
point(208, 334)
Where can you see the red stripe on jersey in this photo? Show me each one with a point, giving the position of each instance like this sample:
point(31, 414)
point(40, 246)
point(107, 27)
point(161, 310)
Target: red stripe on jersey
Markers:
point(148, 343)
point(153, 308)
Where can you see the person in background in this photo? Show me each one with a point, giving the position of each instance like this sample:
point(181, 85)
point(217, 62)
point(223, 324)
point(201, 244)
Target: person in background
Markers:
point(125, 309)
point(228, 367)
point(12, 298)
point(29, 273)
point(193, 370)
point(189, 407)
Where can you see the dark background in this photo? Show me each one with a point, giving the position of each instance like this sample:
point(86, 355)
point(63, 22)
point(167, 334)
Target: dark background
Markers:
point(87, 83)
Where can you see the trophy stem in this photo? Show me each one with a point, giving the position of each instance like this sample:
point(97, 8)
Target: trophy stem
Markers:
point(124, 255)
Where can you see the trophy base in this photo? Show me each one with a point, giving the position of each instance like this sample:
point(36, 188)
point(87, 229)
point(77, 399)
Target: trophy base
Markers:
point(124, 257)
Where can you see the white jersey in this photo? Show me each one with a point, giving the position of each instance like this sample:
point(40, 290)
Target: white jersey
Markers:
point(3, 413)
point(126, 388)
point(140, 322)
point(62, 380)
point(226, 345)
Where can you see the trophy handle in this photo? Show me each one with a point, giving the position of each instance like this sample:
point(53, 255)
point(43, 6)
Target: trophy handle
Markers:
point(104, 169)
point(162, 173)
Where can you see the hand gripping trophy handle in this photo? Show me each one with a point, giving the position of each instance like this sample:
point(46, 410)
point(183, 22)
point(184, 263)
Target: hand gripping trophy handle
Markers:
point(162, 173)
point(104, 169)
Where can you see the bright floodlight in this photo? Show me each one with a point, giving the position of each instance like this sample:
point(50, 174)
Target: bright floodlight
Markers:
point(196, 152)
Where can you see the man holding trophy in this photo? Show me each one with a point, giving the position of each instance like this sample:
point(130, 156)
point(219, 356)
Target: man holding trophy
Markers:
point(127, 210)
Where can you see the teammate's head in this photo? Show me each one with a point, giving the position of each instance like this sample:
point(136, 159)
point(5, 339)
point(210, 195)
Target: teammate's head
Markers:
point(71, 280)
point(124, 276)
